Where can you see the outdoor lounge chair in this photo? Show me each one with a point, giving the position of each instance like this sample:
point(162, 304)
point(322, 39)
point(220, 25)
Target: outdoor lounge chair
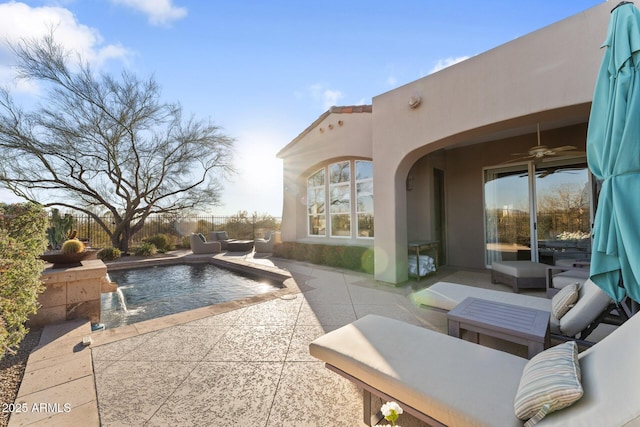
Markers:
point(266, 245)
point(560, 276)
point(592, 308)
point(200, 246)
point(448, 381)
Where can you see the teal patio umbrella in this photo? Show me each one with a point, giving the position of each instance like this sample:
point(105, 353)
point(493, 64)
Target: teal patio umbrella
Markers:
point(613, 155)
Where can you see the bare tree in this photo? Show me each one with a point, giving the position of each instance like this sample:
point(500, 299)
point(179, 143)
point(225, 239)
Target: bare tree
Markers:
point(100, 144)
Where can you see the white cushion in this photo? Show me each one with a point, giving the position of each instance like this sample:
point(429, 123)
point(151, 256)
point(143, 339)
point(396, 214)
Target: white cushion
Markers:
point(445, 296)
point(520, 268)
point(455, 381)
point(568, 277)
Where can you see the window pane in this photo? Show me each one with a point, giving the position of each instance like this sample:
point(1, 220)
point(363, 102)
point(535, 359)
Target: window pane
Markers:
point(341, 225)
point(364, 169)
point(315, 200)
point(339, 199)
point(365, 196)
point(317, 225)
point(339, 172)
point(563, 199)
point(365, 225)
point(506, 199)
point(316, 179)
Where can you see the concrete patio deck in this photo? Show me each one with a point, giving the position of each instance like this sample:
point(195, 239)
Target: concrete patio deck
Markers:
point(242, 364)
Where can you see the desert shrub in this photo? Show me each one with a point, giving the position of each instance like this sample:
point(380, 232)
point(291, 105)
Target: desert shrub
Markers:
point(72, 246)
point(357, 258)
point(22, 241)
point(333, 256)
point(162, 242)
point(367, 261)
point(185, 242)
point(109, 254)
point(315, 254)
point(352, 257)
point(300, 252)
point(145, 249)
point(283, 250)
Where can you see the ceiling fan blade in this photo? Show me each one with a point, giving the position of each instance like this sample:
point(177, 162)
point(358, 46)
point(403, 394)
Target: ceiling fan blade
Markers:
point(563, 148)
point(519, 159)
point(571, 153)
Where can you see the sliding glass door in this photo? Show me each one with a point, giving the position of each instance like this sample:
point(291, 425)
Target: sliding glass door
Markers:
point(538, 212)
point(563, 206)
point(507, 198)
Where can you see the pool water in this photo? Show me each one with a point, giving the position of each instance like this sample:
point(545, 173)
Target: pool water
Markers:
point(150, 292)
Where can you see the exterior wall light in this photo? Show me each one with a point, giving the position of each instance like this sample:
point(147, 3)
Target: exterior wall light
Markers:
point(414, 101)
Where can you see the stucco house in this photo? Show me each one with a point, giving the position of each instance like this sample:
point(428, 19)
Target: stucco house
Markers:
point(453, 158)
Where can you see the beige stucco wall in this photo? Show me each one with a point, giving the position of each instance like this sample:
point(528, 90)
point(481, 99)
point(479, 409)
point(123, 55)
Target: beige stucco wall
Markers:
point(545, 77)
point(314, 149)
point(473, 114)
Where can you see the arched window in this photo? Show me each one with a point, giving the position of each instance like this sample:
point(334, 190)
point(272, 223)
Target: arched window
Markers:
point(340, 188)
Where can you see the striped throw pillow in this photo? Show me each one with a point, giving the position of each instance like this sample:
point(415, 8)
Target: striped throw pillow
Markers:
point(564, 300)
point(550, 381)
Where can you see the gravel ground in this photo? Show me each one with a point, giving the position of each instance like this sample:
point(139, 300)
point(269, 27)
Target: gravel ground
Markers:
point(11, 372)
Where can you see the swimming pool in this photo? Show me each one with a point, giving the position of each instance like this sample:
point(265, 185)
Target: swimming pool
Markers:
point(150, 292)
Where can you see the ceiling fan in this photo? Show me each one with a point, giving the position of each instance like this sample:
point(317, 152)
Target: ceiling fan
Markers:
point(538, 152)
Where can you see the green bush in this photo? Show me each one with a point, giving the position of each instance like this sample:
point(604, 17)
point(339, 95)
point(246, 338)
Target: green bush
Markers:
point(22, 241)
point(283, 250)
point(109, 254)
point(185, 242)
point(357, 258)
point(367, 261)
point(333, 256)
point(316, 254)
point(145, 249)
point(162, 242)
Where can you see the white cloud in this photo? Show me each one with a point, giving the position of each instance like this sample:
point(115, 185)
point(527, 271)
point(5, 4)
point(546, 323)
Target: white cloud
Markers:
point(159, 12)
point(19, 21)
point(328, 97)
point(447, 62)
point(392, 81)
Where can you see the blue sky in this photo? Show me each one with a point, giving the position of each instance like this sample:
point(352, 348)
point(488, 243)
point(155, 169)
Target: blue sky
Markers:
point(265, 70)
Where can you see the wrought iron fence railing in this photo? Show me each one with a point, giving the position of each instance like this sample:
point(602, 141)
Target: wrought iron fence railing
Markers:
point(250, 227)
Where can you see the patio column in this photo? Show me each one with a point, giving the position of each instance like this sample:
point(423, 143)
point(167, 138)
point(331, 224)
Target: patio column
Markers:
point(390, 221)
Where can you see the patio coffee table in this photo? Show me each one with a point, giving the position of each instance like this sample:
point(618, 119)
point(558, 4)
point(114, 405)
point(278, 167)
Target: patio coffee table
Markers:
point(240, 246)
point(521, 325)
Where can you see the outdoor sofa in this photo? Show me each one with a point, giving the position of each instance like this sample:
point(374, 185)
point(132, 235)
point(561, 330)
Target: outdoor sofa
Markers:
point(222, 237)
point(448, 381)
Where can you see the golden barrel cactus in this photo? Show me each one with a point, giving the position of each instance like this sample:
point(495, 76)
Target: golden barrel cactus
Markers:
point(72, 246)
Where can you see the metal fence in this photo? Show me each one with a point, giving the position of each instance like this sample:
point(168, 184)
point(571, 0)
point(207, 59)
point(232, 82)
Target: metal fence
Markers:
point(237, 227)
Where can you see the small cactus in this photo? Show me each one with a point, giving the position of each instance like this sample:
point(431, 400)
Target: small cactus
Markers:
point(72, 246)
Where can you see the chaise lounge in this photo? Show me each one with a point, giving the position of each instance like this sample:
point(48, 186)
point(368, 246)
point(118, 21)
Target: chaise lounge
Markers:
point(590, 309)
point(446, 381)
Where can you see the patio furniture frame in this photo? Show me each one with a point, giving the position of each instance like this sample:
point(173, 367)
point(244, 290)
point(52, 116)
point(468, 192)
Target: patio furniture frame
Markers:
point(367, 390)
